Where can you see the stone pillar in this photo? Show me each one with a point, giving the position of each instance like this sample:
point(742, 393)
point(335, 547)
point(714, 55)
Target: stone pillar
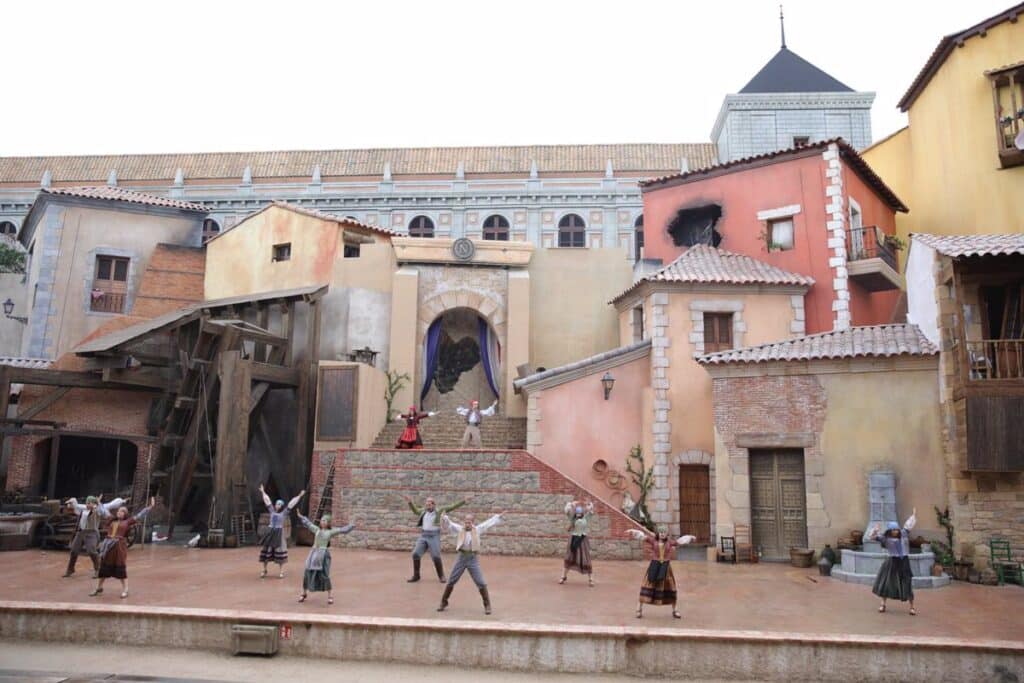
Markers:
point(518, 338)
point(533, 227)
point(661, 427)
point(404, 318)
point(836, 232)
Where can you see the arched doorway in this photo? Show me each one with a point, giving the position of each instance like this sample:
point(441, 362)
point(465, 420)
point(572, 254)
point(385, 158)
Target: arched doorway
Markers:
point(461, 361)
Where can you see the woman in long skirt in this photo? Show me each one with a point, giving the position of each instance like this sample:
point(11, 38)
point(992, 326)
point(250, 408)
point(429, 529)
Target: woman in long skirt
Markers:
point(114, 548)
point(895, 580)
point(659, 584)
point(273, 545)
point(577, 552)
point(317, 577)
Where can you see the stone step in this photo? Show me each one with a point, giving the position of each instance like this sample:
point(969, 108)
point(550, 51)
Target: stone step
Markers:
point(495, 543)
point(446, 429)
point(441, 479)
point(454, 459)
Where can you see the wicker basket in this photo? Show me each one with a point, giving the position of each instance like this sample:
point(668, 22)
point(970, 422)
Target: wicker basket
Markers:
point(801, 557)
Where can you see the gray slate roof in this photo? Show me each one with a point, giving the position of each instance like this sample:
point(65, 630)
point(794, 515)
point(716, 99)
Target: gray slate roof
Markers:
point(789, 72)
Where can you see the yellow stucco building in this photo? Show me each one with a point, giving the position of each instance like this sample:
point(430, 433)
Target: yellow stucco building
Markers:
point(957, 164)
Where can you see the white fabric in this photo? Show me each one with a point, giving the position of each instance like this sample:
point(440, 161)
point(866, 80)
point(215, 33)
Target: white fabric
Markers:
point(465, 540)
point(429, 520)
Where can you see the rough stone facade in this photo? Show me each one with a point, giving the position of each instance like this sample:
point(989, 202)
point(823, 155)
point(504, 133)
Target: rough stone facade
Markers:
point(836, 228)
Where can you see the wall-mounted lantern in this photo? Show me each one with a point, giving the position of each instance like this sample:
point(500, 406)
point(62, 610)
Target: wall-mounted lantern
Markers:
point(607, 382)
point(9, 308)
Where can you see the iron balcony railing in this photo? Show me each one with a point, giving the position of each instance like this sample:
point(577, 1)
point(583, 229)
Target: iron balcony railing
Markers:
point(865, 243)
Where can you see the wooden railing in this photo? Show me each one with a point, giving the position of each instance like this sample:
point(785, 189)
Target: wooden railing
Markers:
point(108, 302)
point(862, 243)
point(995, 359)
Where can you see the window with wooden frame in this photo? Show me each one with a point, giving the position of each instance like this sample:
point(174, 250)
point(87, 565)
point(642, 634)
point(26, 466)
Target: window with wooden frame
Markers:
point(496, 228)
point(351, 250)
point(638, 324)
point(638, 237)
point(572, 231)
point(780, 234)
point(1008, 104)
point(109, 284)
point(717, 332)
point(801, 140)
point(282, 252)
point(421, 226)
point(211, 229)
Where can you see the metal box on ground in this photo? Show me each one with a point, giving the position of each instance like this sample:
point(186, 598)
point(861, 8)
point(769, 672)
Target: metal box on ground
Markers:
point(252, 639)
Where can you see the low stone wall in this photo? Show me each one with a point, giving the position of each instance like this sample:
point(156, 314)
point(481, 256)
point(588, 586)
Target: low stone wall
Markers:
point(634, 650)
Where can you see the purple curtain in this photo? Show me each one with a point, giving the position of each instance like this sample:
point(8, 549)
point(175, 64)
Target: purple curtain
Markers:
point(430, 356)
point(485, 354)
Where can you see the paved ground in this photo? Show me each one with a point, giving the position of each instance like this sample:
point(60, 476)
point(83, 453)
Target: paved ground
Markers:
point(24, 662)
point(763, 597)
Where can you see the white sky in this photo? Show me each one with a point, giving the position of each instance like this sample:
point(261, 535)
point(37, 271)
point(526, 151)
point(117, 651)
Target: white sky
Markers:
point(183, 76)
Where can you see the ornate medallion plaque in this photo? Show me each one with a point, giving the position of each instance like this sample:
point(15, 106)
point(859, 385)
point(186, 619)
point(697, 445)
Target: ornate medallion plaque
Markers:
point(463, 249)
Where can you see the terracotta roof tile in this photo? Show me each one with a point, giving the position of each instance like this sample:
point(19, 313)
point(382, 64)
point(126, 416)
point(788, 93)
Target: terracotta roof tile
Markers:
point(704, 264)
point(642, 158)
point(31, 363)
point(120, 194)
point(879, 341)
point(973, 245)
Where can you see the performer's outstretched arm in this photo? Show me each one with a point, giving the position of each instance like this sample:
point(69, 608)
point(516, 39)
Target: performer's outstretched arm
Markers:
point(266, 499)
point(308, 524)
point(911, 521)
point(295, 501)
point(684, 540)
point(484, 526)
point(453, 507)
point(489, 411)
point(454, 527)
point(341, 530)
point(105, 509)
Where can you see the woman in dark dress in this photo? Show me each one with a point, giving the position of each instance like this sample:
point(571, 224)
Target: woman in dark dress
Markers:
point(114, 548)
point(895, 580)
point(659, 584)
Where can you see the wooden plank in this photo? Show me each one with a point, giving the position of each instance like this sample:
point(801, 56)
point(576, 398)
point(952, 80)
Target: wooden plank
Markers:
point(249, 332)
point(337, 405)
point(263, 320)
point(51, 483)
point(256, 397)
point(288, 315)
point(149, 377)
point(232, 431)
point(275, 374)
point(66, 378)
point(44, 402)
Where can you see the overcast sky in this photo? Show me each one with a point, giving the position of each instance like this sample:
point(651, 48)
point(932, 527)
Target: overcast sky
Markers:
point(125, 77)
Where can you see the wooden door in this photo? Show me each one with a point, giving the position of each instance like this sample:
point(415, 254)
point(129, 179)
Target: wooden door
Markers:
point(778, 502)
point(695, 502)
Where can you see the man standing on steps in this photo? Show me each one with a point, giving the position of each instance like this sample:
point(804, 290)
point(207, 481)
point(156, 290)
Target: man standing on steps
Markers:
point(474, 416)
point(467, 545)
point(430, 534)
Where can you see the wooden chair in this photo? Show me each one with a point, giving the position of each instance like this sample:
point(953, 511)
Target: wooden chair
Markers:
point(726, 549)
point(1007, 569)
point(744, 545)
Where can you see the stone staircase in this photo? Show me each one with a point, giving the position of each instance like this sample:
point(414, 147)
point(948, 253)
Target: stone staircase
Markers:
point(367, 484)
point(445, 430)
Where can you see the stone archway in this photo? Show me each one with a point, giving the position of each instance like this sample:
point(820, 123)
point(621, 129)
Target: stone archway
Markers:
point(690, 458)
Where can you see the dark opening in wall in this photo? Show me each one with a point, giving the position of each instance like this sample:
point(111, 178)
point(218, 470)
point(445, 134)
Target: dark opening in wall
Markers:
point(696, 225)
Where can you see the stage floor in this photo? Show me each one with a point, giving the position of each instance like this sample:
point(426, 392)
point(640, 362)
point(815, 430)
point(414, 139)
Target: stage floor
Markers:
point(765, 597)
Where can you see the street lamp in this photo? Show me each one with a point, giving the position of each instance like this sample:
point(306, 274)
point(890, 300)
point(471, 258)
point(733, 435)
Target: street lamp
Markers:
point(607, 382)
point(9, 308)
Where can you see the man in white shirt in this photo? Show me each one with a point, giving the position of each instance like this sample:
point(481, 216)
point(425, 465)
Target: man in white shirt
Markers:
point(87, 533)
point(467, 545)
point(474, 417)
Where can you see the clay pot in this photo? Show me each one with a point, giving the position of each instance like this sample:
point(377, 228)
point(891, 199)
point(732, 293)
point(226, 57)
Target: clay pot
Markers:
point(856, 537)
point(936, 569)
point(829, 554)
point(825, 566)
point(600, 469)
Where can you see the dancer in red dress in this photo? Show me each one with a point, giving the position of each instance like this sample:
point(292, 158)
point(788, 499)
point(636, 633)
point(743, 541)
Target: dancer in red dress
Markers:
point(410, 437)
point(114, 549)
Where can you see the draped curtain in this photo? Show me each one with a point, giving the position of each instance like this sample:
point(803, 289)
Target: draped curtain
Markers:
point(490, 354)
point(433, 343)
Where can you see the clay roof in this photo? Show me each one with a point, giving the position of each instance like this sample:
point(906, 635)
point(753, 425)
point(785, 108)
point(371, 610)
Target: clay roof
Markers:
point(789, 72)
point(945, 48)
point(119, 194)
point(173, 278)
point(585, 366)
point(704, 264)
point(643, 157)
point(973, 245)
point(878, 341)
point(312, 213)
point(846, 152)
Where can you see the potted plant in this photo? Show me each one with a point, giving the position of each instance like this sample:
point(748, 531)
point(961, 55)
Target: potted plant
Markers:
point(960, 568)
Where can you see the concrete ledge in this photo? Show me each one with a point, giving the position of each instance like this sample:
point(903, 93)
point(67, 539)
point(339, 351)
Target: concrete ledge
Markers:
point(640, 651)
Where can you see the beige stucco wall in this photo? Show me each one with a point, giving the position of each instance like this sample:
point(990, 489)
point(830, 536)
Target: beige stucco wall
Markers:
point(402, 343)
point(372, 411)
point(356, 311)
point(570, 315)
point(86, 232)
point(13, 286)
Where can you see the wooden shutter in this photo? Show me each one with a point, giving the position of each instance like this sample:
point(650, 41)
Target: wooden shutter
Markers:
point(717, 332)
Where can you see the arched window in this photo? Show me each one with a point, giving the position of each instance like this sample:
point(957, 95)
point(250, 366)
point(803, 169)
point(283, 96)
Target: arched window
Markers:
point(496, 228)
point(421, 226)
point(572, 231)
point(211, 229)
point(638, 237)
point(8, 228)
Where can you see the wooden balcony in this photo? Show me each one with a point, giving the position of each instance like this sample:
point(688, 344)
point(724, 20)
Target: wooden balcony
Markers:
point(870, 262)
point(108, 302)
point(993, 360)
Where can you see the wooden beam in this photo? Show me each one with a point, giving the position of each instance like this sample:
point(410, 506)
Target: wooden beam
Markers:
point(152, 378)
point(43, 403)
point(275, 374)
point(256, 397)
point(263, 320)
point(288, 313)
point(232, 432)
point(23, 421)
point(51, 483)
point(66, 378)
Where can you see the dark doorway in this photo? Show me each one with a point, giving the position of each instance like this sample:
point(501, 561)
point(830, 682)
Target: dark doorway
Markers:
point(695, 501)
point(88, 466)
point(778, 503)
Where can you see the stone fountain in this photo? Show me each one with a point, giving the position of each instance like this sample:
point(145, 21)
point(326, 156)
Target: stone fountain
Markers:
point(861, 566)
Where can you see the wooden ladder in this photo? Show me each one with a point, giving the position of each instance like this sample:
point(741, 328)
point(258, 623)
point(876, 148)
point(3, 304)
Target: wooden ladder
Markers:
point(326, 493)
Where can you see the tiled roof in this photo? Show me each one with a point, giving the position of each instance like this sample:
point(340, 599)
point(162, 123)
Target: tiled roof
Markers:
point(312, 213)
point(581, 366)
point(879, 341)
point(119, 194)
point(789, 72)
point(704, 264)
point(31, 363)
point(973, 245)
point(945, 48)
point(644, 157)
point(848, 153)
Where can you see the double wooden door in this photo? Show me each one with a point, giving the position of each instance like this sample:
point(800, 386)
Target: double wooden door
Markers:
point(778, 502)
point(695, 501)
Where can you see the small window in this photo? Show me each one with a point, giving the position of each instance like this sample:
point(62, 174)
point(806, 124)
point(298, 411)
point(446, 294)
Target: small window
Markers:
point(638, 237)
point(780, 234)
point(351, 251)
point(421, 226)
point(496, 228)
point(211, 229)
point(282, 252)
point(638, 324)
point(7, 228)
point(801, 140)
point(717, 332)
point(572, 231)
point(109, 285)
